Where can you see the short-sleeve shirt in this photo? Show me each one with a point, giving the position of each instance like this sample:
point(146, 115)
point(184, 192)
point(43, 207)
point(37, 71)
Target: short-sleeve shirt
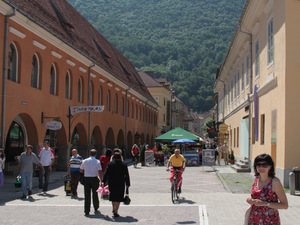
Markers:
point(75, 163)
point(91, 166)
point(46, 156)
point(177, 162)
point(27, 162)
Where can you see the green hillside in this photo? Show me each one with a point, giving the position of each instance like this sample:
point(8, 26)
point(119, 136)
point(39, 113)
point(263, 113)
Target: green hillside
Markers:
point(182, 40)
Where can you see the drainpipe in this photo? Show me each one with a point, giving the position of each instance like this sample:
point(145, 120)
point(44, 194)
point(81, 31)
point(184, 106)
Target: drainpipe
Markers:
point(126, 112)
point(5, 51)
point(250, 86)
point(89, 103)
point(146, 121)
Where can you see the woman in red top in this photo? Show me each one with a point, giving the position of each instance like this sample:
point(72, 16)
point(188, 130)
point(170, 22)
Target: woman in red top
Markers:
point(267, 195)
point(104, 159)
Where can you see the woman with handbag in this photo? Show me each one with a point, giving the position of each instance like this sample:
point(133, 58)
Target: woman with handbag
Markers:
point(267, 195)
point(117, 176)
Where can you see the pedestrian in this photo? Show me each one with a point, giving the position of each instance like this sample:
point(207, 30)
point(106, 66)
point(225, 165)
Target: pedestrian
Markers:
point(105, 159)
point(135, 152)
point(74, 171)
point(267, 194)
point(219, 153)
point(46, 156)
point(2, 166)
point(27, 159)
point(117, 176)
point(91, 168)
point(225, 151)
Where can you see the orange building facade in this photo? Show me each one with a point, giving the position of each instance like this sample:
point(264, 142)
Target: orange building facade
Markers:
point(50, 56)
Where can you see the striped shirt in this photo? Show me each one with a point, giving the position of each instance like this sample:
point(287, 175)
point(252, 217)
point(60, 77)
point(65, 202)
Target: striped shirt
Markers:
point(75, 163)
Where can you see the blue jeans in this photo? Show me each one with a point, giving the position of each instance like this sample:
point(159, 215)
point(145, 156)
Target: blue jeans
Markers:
point(44, 184)
point(26, 179)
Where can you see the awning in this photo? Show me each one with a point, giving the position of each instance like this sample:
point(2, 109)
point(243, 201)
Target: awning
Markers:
point(175, 134)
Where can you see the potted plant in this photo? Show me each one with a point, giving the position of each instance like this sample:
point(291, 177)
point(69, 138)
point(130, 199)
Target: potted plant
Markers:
point(142, 155)
point(159, 158)
point(231, 157)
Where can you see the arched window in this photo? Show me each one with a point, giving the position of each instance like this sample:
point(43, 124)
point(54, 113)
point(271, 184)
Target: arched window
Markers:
point(99, 96)
point(68, 86)
point(80, 90)
point(132, 110)
point(108, 101)
point(53, 80)
point(12, 72)
point(116, 103)
point(136, 112)
point(140, 113)
point(127, 102)
point(122, 105)
point(35, 72)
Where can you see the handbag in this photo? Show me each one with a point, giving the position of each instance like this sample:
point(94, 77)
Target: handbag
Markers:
point(104, 191)
point(126, 199)
point(18, 182)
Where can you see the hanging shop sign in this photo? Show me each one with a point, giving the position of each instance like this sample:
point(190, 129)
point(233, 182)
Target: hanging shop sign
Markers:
point(223, 128)
point(53, 125)
point(79, 109)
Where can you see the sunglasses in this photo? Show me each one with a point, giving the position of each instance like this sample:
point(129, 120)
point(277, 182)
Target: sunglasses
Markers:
point(264, 165)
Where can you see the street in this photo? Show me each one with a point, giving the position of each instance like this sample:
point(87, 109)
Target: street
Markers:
point(204, 200)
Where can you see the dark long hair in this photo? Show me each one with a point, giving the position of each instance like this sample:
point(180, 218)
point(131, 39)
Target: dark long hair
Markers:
point(267, 158)
point(3, 155)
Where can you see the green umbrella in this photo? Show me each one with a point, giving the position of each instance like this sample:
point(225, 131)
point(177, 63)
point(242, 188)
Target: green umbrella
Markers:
point(175, 134)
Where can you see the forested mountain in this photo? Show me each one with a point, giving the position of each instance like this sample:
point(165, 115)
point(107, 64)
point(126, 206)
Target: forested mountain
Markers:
point(182, 40)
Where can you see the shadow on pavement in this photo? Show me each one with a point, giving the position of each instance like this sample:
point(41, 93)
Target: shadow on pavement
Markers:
point(127, 219)
point(186, 222)
point(183, 200)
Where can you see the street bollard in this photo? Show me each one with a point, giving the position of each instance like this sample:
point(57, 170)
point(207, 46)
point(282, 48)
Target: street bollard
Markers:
point(292, 179)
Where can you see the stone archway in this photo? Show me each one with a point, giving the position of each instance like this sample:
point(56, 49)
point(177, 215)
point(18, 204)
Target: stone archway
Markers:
point(142, 139)
point(79, 140)
point(110, 139)
point(97, 141)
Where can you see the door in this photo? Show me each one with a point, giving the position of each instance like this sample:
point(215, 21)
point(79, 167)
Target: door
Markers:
point(244, 137)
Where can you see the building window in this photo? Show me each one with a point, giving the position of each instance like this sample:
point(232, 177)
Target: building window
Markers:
point(243, 77)
point(234, 138)
point(238, 83)
point(232, 90)
point(35, 72)
point(68, 86)
point(136, 112)
point(235, 86)
point(237, 136)
point(270, 42)
point(230, 137)
point(132, 110)
point(228, 93)
point(53, 80)
point(116, 103)
point(247, 70)
point(79, 96)
point(164, 117)
point(99, 96)
point(257, 58)
point(262, 129)
point(108, 101)
point(140, 114)
point(164, 101)
point(12, 72)
point(122, 106)
point(127, 108)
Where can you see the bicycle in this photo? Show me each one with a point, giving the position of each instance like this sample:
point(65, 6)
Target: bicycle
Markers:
point(135, 160)
point(174, 187)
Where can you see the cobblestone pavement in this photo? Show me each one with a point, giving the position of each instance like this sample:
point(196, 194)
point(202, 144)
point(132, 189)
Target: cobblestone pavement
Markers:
point(206, 199)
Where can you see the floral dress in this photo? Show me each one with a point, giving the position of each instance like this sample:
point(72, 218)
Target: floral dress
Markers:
point(262, 215)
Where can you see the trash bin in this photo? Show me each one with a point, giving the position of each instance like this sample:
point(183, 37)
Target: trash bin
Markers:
point(294, 180)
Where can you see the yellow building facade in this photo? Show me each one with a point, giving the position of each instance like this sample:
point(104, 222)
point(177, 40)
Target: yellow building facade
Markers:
point(257, 84)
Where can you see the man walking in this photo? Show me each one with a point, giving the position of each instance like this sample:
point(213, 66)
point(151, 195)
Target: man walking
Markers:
point(46, 156)
point(91, 168)
point(26, 169)
point(74, 170)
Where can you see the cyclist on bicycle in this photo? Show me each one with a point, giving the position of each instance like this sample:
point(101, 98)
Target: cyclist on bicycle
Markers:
point(135, 151)
point(178, 163)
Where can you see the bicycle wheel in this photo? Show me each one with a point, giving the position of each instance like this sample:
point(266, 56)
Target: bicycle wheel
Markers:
point(174, 191)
